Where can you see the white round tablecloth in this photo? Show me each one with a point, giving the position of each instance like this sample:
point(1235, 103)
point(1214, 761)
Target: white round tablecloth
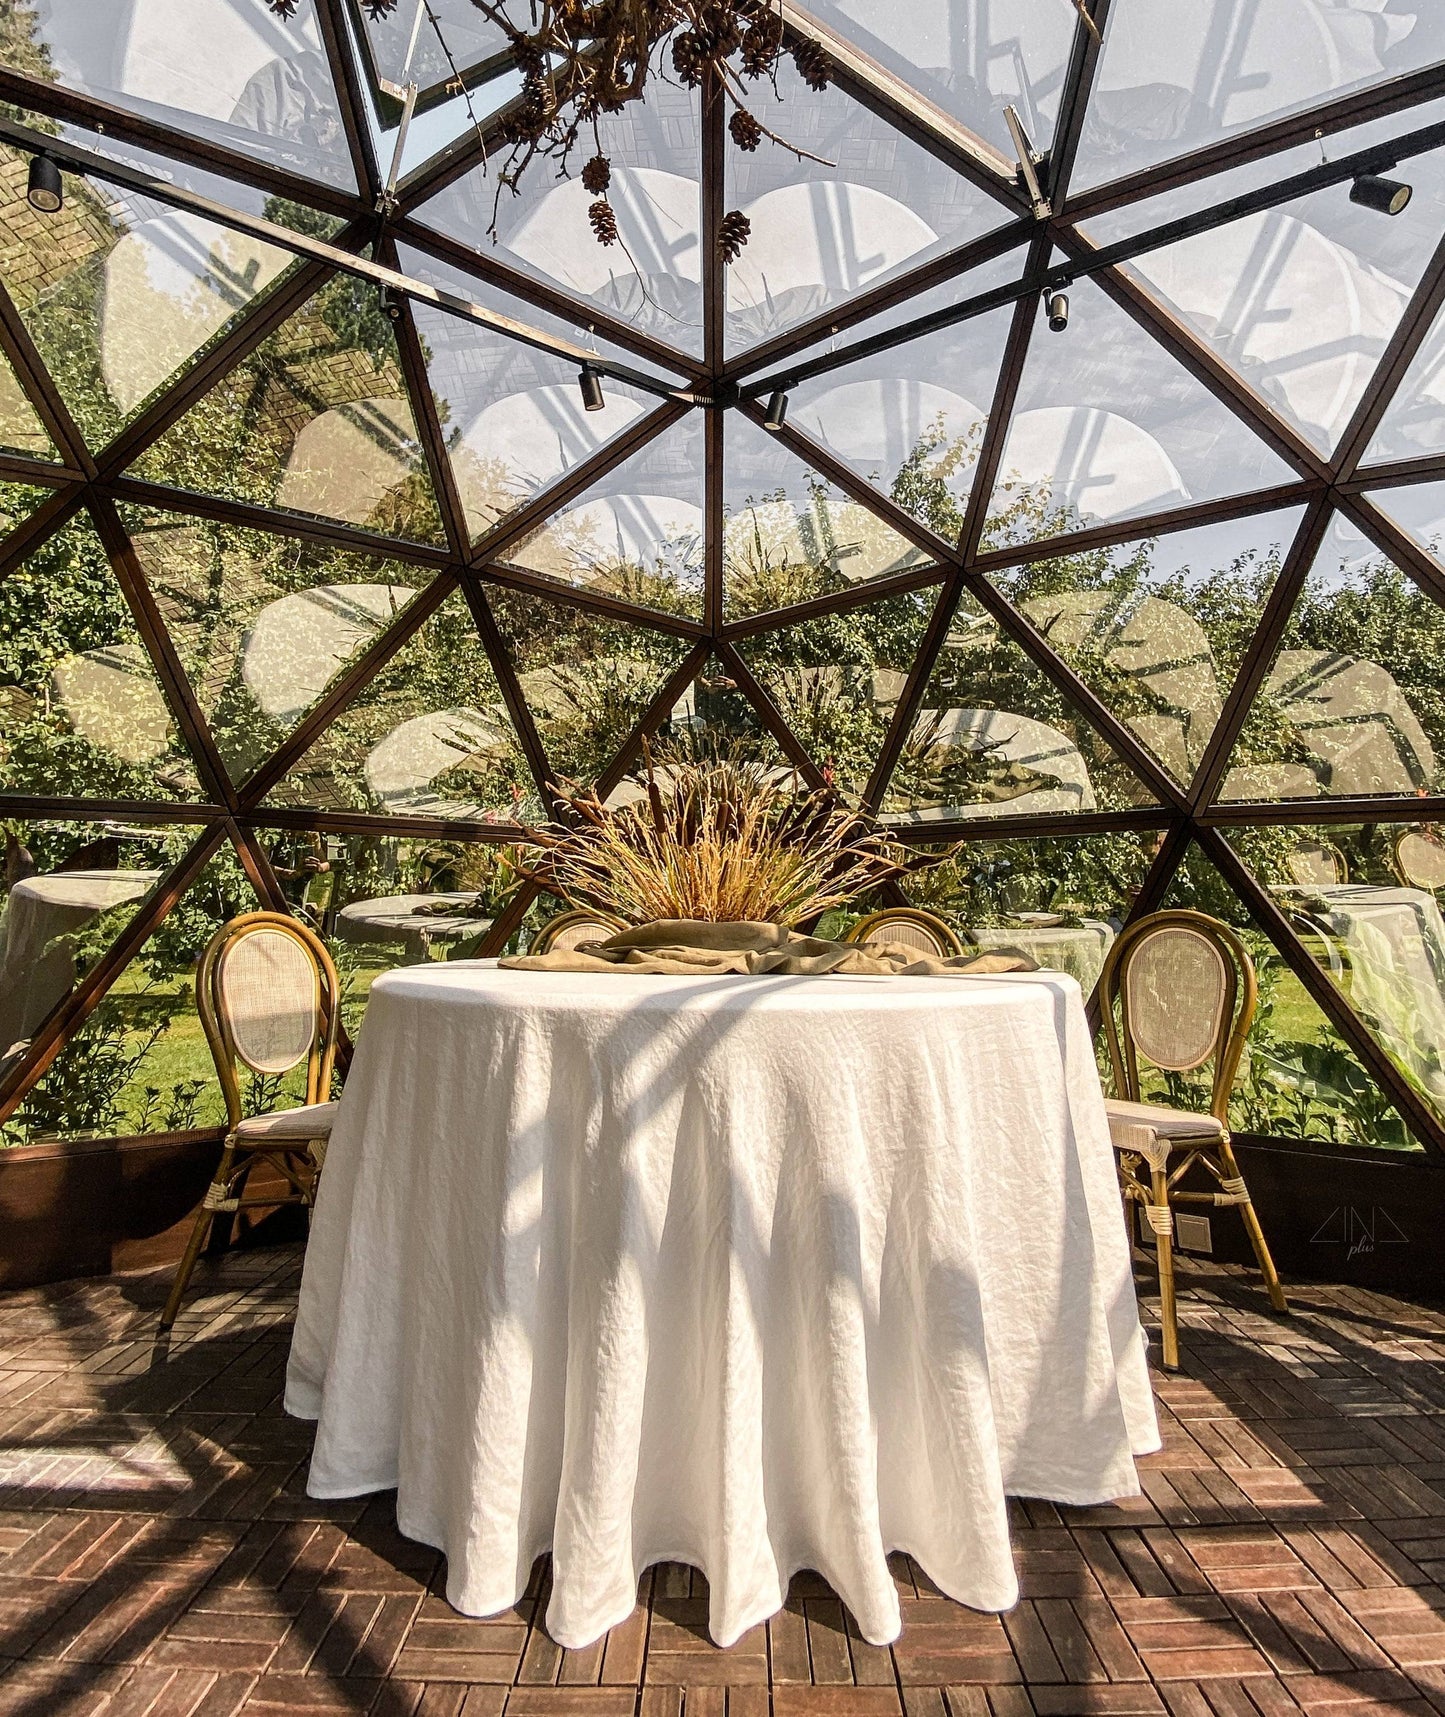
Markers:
point(757, 1274)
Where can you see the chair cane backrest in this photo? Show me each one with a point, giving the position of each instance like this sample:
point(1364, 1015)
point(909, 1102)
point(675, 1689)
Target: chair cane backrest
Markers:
point(1420, 860)
point(906, 927)
point(1178, 989)
point(1317, 864)
point(267, 993)
point(569, 930)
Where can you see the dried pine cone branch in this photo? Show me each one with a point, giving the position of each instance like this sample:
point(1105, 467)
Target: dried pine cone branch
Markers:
point(745, 130)
point(733, 232)
point(812, 65)
point(604, 221)
point(597, 175)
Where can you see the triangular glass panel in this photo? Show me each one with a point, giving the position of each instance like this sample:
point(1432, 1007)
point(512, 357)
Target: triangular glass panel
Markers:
point(1221, 69)
point(650, 276)
point(1109, 425)
point(262, 624)
point(1418, 508)
point(637, 533)
point(140, 1062)
point(120, 294)
point(1060, 901)
point(973, 754)
point(713, 718)
point(913, 435)
point(587, 679)
point(457, 39)
point(428, 736)
point(1350, 704)
point(1382, 944)
point(316, 420)
point(84, 714)
point(968, 59)
point(226, 71)
point(789, 534)
point(21, 430)
point(1157, 629)
point(512, 417)
point(835, 679)
point(859, 205)
point(1301, 300)
point(1414, 420)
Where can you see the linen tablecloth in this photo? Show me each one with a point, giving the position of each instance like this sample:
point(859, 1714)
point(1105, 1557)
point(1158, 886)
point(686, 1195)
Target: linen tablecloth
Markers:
point(754, 1273)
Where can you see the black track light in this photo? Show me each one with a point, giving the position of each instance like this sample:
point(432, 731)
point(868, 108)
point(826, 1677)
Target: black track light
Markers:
point(1385, 196)
point(44, 190)
point(591, 385)
point(1058, 307)
point(777, 410)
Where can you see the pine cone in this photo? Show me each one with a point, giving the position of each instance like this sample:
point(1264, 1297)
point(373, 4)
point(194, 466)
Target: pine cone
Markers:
point(745, 130)
point(283, 8)
point(689, 58)
point(376, 10)
point(762, 44)
point(812, 64)
point(597, 175)
point(604, 221)
point(733, 232)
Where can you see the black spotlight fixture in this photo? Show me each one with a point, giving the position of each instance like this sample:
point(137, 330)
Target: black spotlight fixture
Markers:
point(44, 190)
point(389, 302)
point(1385, 196)
point(777, 410)
point(591, 385)
point(1058, 308)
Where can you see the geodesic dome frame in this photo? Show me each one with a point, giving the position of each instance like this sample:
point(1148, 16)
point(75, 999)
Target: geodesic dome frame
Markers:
point(963, 259)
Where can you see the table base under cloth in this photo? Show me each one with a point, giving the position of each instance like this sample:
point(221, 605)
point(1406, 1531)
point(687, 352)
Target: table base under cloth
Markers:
point(757, 1274)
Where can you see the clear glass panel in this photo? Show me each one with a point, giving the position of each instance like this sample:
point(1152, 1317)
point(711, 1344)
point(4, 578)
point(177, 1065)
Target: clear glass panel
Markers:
point(1301, 300)
point(973, 753)
point(862, 205)
point(456, 34)
point(587, 679)
point(1414, 420)
point(837, 678)
point(651, 276)
point(382, 901)
point(140, 1063)
point(788, 534)
point(21, 430)
point(119, 293)
point(1157, 629)
point(229, 71)
point(969, 58)
point(1352, 702)
point(637, 533)
point(68, 890)
point(1354, 897)
point(262, 624)
point(1172, 80)
point(1061, 902)
point(512, 417)
point(911, 420)
point(1109, 425)
point(1419, 509)
point(429, 736)
point(83, 714)
point(316, 420)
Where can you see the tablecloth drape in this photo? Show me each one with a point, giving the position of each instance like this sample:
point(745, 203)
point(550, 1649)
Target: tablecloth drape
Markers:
point(752, 1273)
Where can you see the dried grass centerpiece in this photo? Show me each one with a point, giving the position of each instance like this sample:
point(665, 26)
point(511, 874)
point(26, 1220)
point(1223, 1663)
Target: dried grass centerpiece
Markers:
point(719, 839)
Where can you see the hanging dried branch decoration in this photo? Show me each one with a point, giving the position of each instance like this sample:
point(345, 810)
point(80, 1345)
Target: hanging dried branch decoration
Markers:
point(376, 10)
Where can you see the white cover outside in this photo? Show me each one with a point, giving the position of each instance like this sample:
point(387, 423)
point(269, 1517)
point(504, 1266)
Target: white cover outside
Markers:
point(753, 1273)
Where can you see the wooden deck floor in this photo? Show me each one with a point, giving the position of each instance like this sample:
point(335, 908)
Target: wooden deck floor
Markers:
point(159, 1556)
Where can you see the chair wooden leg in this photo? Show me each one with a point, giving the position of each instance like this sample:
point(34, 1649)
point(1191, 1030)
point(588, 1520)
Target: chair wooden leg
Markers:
point(1163, 1227)
point(1255, 1232)
point(200, 1230)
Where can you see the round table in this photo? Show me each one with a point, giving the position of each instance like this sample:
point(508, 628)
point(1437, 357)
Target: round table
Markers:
point(754, 1273)
point(410, 919)
point(1078, 949)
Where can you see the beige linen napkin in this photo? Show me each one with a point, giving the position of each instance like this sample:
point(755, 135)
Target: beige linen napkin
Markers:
point(683, 947)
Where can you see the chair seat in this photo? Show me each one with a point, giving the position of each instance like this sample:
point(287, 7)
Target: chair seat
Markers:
point(312, 1121)
point(1167, 1123)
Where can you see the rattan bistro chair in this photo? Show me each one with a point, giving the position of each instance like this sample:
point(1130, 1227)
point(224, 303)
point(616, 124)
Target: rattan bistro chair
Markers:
point(1419, 860)
point(568, 930)
point(907, 927)
point(267, 994)
point(1184, 990)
